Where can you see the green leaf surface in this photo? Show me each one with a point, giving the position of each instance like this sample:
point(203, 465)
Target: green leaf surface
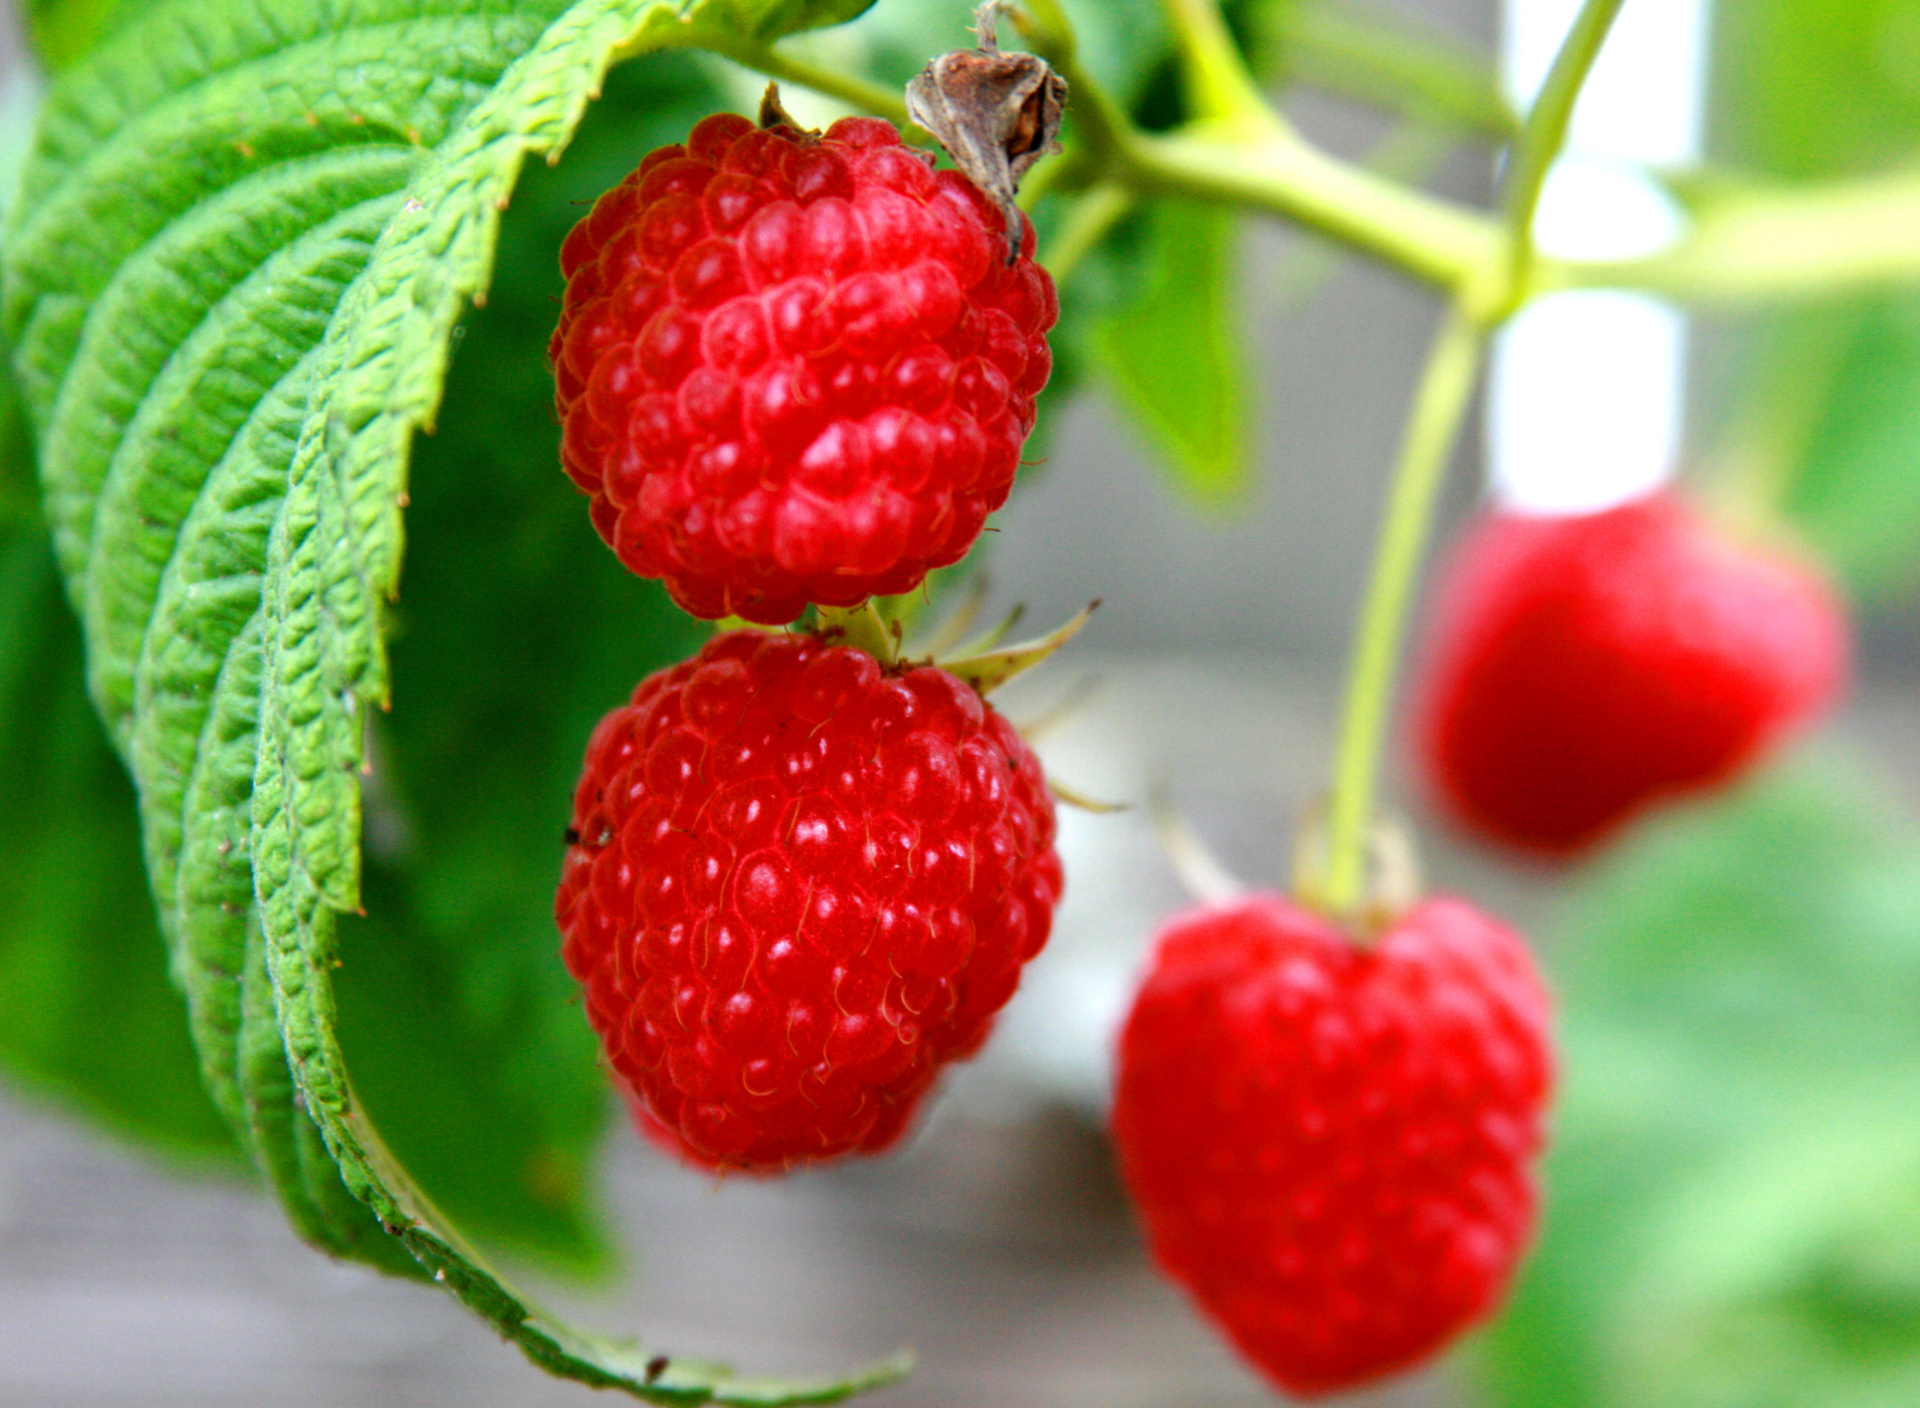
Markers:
point(247, 235)
point(1830, 422)
point(1175, 350)
point(1734, 1191)
point(515, 631)
point(65, 31)
point(87, 1014)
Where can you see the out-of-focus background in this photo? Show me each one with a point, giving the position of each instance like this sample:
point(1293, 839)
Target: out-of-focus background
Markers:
point(1734, 1213)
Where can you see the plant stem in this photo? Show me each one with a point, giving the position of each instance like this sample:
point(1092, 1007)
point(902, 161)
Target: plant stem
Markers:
point(1219, 88)
point(1542, 136)
point(1270, 169)
point(1445, 244)
point(1384, 61)
point(1094, 213)
point(1446, 389)
point(854, 91)
point(1767, 243)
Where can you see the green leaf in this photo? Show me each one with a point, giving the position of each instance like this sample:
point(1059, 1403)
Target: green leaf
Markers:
point(1175, 350)
point(1734, 1192)
point(516, 630)
point(65, 31)
point(87, 1013)
point(248, 232)
point(1830, 420)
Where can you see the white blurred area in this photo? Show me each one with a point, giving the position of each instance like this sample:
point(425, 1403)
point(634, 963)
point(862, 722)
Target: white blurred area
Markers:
point(1586, 397)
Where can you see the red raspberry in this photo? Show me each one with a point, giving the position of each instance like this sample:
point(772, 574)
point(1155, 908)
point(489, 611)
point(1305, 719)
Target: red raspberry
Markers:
point(1586, 667)
point(795, 368)
point(1331, 1146)
point(802, 883)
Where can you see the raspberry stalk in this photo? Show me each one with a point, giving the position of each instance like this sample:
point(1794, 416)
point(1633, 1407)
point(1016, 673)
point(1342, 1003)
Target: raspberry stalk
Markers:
point(1439, 405)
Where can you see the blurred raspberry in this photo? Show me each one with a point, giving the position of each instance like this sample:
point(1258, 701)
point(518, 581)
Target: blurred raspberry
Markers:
point(795, 368)
point(1582, 668)
point(1331, 1146)
point(802, 884)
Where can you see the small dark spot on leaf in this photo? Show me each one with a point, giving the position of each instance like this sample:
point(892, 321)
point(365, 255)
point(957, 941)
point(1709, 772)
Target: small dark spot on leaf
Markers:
point(656, 1366)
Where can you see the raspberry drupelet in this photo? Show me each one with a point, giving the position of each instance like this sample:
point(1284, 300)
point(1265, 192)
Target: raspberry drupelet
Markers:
point(795, 367)
point(802, 882)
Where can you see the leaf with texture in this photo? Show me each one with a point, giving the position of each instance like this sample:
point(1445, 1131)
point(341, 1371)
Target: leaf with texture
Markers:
point(65, 31)
point(517, 629)
point(1811, 88)
point(87, 1013)
point(1734, 1191)
point(1175, 349)
point(248, 232)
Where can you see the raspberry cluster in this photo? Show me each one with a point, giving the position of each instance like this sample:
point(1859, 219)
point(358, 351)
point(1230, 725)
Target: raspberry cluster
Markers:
point(802, 883)
point(1331, 1145)
point(795, 368)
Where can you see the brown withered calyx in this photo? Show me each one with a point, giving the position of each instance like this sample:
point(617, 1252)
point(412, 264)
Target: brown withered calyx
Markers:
point(995, 113)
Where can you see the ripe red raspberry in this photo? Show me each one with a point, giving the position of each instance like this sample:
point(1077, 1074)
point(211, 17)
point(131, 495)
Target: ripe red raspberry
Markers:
point(1331, 1146)
point(803, 882)
point(1585, 667)
point(794, 367)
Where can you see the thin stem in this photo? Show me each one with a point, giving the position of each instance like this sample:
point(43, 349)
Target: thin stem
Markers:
point(1094, 213)
point(1773, 243)
point(1391, 64)
point(1445, 391)
point(1274, 171)
point(854, 91)
point(1219, 88)
point(1445, 244)
point(1545, 132)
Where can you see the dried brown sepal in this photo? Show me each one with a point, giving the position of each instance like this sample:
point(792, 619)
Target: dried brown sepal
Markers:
point(773, 112)
point(995, 113)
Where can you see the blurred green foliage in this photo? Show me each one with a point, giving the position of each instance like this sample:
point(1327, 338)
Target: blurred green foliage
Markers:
point(87, 1013)
point(1175, 350)
point(63, 31)
point(1733, 1201)
point(1804, 89)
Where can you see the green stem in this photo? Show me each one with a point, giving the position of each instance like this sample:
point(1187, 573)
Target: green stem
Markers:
point(1271, 170)
point(1384, 61)
point(854, 91)
point(1445, 244)
point(1446, 389)
point(1543, 135)
point(1094, 213)
point(1219, 88)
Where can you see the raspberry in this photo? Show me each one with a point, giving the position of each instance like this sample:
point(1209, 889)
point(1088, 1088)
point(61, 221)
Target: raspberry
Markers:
point(795, 367)
point(1330, 1145)
point(802, 883)
point(1584, 668)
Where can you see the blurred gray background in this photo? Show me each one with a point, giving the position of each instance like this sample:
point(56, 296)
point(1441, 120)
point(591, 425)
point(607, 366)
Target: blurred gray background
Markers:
point(999, 1243)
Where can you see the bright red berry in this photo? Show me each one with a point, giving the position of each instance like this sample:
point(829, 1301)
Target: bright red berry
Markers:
point(1582, 668)
point(1331, 1146)
point(795, 367)
point(802, 883)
